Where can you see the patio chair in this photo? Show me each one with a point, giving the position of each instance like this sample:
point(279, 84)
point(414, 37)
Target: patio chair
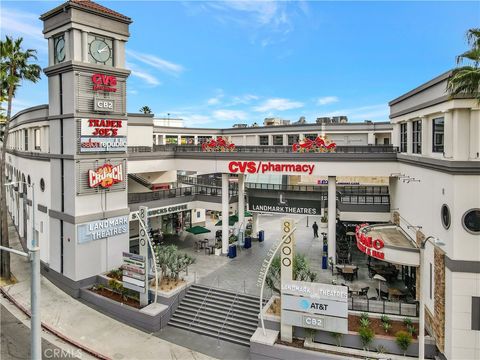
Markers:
point(364, 291)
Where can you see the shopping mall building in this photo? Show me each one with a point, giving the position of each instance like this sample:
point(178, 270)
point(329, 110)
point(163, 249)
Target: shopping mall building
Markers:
point(92, 165)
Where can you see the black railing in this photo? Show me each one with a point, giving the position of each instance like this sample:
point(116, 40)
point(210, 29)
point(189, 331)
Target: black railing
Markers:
point(409, 309)
point(134, 198)
point(281, 187)
point(270, 149)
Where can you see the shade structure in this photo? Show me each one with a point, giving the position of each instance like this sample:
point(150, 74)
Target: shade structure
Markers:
point(248, 214)
point(196, 230)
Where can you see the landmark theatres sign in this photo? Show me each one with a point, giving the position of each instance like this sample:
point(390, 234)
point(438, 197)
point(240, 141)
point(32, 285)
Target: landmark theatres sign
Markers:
point(284, 203)
point(315, 306)
point(100, 229)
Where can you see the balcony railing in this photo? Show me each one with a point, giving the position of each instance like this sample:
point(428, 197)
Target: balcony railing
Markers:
point(384, 307)
point(275, 149)
point(134, 198)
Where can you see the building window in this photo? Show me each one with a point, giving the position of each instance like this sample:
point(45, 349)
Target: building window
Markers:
point(25, 139)
point(476, 313)
point(417, 137)
point(310, 136)
point(36, 137)
point(292, 139)
point(438, 135)
point(403, 137)
point(471, 221)
point(42, 184)
point(171, 139)
point(386, 141)
point(263, 139)
point(277, 139)
point(203, 139)
point(445, 216)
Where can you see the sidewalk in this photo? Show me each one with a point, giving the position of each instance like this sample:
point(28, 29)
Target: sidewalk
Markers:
point(87, 326)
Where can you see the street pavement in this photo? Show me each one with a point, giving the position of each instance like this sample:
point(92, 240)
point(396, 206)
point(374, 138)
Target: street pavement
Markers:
point(85, 325)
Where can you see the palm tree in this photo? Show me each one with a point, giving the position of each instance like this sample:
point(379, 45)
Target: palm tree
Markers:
point(146, 110)
point(15, 66)
point(466, 79)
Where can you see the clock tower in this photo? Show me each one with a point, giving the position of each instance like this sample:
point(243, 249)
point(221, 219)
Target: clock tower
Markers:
point(88, 138)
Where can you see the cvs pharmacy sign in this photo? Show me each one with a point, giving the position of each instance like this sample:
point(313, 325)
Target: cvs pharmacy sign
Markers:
point(103, 82)
point(254, 167)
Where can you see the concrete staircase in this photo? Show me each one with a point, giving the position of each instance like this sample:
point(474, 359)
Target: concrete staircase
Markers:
point(218, 313)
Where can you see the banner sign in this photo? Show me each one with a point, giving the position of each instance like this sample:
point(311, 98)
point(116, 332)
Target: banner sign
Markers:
point(255, 167)
point(105, 176)
point(101, 229)
point(103, 127)
point(162, 210)
point(103, 144)
point(368, 245)
point(284, 203)
point(102, 104)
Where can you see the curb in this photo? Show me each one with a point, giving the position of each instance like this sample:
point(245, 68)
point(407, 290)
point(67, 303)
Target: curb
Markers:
point(54, 331)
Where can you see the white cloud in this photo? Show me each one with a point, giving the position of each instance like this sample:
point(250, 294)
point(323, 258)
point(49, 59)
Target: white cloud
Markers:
point(369, 112)
point(144, 75)
point(156, 62)
point(243, 99)
point(230, 115)
point(327, 100)
point(196, 119)
point(24, 24)
point(278, 104)
point(213, 101)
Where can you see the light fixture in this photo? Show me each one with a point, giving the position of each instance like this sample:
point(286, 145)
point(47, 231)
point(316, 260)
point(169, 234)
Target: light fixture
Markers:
point(436, 241)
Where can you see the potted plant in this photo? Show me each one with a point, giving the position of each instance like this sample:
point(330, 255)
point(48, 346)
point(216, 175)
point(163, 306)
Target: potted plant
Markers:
point(403, 340)
point(218, 249)
point(324, 219)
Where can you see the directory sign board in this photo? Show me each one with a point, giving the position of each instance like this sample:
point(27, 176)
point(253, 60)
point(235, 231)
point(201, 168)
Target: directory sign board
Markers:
point(315, 305)
point(134, 273)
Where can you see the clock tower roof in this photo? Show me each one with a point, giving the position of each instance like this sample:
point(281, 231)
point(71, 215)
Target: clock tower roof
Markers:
point(87, 5)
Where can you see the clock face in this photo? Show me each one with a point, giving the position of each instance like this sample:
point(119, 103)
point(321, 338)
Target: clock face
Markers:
point(59, 49)
point(101, 51)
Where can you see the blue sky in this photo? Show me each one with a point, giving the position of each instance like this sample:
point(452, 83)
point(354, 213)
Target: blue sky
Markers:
point(219, 63)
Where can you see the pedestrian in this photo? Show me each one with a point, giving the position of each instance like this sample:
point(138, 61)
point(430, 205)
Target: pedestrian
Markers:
point(315, 229)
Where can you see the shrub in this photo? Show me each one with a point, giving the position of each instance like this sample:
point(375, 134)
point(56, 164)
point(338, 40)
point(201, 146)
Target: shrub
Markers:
point(364, 315)
point(364, 322)
point(385, 319)
point(407, 321)
point(116, 286)
point(366, 336)
point(381, 349)
point(411, 330)
point(310, 333)
point(403, 340)
point(386, 326)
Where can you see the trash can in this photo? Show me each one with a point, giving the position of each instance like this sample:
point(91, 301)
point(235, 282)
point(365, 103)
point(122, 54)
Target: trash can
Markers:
point(248, 243)
point(232, 251)
point(325, 257)
point(261, 236)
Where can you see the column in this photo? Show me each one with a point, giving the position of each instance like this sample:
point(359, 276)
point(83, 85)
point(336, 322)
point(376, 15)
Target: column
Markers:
point(448, 134)
point(195, 139)
point(225, 214)
point(84, 46)
point(254, 225)
point(241, 201)
point(409, 137)
point(461, 134)
point(371, 138)
point(68, 55)
point(51, 51)
point(332, 217)
point(426, 146)
point(116, 53)
point(474, 131)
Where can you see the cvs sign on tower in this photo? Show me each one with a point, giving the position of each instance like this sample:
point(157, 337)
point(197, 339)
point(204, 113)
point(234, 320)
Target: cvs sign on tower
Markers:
point(103, 82)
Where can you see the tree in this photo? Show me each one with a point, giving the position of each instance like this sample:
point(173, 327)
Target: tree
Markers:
point(301, 272)
point(466, 79)
point(146, 110)
point(15, 66)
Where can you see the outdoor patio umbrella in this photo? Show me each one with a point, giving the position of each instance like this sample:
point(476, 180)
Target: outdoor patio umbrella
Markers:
point(380, 278)
point(196, 230)
point(232, 219)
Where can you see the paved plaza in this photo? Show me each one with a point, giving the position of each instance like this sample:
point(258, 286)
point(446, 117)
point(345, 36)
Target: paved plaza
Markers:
point(241, 273)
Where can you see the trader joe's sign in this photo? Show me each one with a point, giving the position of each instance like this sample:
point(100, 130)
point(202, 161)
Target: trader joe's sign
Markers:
point(103, 135)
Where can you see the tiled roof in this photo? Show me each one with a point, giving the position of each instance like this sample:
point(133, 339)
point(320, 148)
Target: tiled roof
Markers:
point(94, 6)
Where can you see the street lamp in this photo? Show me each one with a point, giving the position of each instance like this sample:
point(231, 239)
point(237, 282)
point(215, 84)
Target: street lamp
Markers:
point(34, 255)
point(421, 335)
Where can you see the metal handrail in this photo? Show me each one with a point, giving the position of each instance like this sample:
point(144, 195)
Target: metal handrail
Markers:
point(282, 149)
point(226, 317)
point(203, 302)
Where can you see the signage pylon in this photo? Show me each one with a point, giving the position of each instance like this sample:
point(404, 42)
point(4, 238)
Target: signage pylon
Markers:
point(286, 269)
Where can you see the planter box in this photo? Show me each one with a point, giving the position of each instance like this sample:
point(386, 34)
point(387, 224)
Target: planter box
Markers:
point(151, 318)
point(323, 225)
point(218, 252)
